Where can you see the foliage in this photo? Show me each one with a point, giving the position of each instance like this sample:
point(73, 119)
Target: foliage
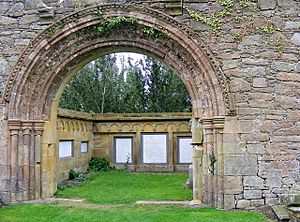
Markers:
point(98, 164)
point(146, 86)
point(237, 36)
point(80, 178)
point(226, 3)
point(214, 22)
point(213, 160)
point(270, 28)
point(73, 174)
point(110, 24)
point(94, 88)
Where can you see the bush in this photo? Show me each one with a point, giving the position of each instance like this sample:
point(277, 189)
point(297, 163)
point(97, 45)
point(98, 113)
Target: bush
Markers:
point(73, 174)
point(99, 164)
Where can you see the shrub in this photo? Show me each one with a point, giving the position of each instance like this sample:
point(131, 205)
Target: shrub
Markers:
point(73, 174)
point(99, 164)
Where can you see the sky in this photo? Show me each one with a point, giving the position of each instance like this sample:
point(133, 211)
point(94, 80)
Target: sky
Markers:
point(135, 57)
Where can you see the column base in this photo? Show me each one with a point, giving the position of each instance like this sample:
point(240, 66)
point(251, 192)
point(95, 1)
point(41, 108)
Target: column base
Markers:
point(196, 203)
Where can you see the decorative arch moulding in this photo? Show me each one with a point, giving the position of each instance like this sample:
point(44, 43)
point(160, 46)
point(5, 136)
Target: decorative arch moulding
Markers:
point(25, 81)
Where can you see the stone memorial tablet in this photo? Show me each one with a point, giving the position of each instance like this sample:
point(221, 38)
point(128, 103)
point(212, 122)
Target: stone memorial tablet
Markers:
point(123, 149)
point(84, 147)
point(154, 148)
point(185, 149)
point(65, 148)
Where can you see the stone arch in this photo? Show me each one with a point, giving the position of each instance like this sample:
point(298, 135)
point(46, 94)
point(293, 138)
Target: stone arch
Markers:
point(55, 55)
point(45, 64)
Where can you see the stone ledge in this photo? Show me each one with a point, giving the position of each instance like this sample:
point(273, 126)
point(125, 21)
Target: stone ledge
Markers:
point(281, 212)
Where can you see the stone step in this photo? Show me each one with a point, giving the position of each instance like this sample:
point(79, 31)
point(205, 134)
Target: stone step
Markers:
point(281, 213)
point(146, 202)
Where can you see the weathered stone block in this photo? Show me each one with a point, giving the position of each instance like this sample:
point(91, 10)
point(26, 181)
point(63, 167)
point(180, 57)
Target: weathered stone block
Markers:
point(292, 25)
point(4, 7)
point(241, 204)
point(252, 40)
point(267, 4)
point(4, 20)
point(257, 203)
point(234, 148)
point(252, 194)
point(230, 64)
point(255, 148)
point(253, 72)
point(290, 76)
point(240, 165)
point(233, 184)
point(32, 4)
point(229, 202)
point(274, 178)
point(259, 82)
point(240, 85)
point(296, 39)
point(297, 68)
point(282, 66)
point(272, 201)
point(16, 10)
point(253, 182)
point(69, 3)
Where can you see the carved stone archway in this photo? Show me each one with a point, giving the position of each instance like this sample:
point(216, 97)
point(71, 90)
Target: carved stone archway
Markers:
point(53, 57)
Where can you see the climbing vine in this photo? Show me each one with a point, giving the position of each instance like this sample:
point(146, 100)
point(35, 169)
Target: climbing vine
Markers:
point(113, 23)
point(214, 23)
point(232, 9)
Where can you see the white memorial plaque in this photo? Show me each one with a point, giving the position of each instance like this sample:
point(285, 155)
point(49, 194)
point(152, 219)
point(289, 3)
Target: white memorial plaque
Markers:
point(65, 148)
point(154, 148)
point(185, 149)
point(84, 147)
point(123, 148)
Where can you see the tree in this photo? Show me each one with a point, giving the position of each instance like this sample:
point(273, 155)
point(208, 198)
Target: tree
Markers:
point(144, 86)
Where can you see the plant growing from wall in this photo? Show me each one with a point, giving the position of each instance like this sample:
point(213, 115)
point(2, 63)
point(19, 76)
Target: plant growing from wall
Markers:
point(232, 11)
point(269, 28)
point(213, 160)
point(214, 22)
point(110, 24)
point(126, 167)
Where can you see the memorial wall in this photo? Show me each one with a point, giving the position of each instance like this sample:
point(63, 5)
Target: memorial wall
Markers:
point(143, 142)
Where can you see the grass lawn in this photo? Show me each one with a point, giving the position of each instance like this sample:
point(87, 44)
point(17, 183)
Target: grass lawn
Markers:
point(123, 188)
point(116, 192)
point(55, 213)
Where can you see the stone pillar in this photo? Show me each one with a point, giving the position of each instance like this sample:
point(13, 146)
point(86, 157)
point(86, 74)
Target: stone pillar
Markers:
point(22, 146)
point(14, 128)
point(208, 149)
point(218, 144)
point(27, 130)
point(36, 178)
point(197, 163)
point(213, 172)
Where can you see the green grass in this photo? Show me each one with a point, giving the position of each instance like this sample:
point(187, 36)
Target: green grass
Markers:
point(123, 188)
point(55, 213)
point(116, 192)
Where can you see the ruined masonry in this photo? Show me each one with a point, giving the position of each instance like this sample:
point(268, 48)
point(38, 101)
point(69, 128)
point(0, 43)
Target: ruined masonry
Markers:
point(238, 59)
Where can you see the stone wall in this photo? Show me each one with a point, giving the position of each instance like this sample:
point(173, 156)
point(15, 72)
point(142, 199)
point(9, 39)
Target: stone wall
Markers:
point(257, 47)
point(73, 125)
point(77, 131)
point(175, 125)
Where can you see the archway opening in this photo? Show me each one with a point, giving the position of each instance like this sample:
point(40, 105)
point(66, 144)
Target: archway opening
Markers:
point(128, 108)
